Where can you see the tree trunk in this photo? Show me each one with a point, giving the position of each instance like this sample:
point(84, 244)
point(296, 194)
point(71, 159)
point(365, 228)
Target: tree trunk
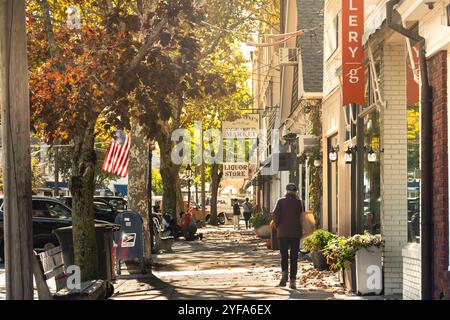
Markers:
point(82, 188)
point(215, 181)
point(15, 116)
point(172, 198)
point(138, 200)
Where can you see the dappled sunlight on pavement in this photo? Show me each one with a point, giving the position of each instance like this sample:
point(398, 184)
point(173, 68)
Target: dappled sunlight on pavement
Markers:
point(226, 264)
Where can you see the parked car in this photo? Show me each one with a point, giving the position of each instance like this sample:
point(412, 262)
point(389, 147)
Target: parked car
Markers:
point(118, 203)
point(102, 209)
point(48, 214)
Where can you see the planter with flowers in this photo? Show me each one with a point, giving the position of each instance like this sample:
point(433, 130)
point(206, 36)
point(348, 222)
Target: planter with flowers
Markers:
point(315, 243)
point(340, 255)
point(368, 252)
point(359, 258)
point(261, 224)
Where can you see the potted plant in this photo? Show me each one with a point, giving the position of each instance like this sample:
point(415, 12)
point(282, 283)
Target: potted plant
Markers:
point(368, 270)
point(315, 243)
point(261, 224)
point(359, 258)
point(340, 254)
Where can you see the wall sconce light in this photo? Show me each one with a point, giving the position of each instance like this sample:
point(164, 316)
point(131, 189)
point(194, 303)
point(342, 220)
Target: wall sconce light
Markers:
point(349, 155)
point(333, 154)
point(430, 4)
point(317, 163)
point(372, 156)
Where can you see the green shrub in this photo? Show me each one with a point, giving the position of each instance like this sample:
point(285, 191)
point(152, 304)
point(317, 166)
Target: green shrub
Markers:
point(318, 240)
point(261, 219)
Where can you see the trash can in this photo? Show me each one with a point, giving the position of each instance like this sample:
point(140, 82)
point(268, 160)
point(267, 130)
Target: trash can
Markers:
point(104, 234)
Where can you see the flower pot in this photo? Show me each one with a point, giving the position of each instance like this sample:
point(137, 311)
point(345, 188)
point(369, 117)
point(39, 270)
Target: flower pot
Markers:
point(369, 277)
point(319, 260)
point(350, 277)
point(263, 232)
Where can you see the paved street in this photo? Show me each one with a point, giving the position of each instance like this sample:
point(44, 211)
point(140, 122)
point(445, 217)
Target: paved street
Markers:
point(226, 264)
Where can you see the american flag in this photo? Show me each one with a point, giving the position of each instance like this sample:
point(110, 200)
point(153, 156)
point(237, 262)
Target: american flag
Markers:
point(116, 159)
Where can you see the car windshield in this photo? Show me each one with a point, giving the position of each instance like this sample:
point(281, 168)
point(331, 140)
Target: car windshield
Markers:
point(102, 206)
point(118, 204)
point(54, 210)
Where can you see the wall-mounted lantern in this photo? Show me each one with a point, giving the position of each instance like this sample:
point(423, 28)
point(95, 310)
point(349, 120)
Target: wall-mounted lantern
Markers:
point(333, 155)
point(348, 156)
point(372, 156)
point(317, 163)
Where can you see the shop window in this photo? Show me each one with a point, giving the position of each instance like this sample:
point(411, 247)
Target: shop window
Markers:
point(332, 37)
point(413, 118)
point(371, 186)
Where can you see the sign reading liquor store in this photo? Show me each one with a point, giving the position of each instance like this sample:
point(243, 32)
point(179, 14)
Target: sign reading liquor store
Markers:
point(236, 170)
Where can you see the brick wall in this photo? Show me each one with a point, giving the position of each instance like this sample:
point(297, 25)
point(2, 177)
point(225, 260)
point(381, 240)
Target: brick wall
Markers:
point(437, 66)
point(394, 164)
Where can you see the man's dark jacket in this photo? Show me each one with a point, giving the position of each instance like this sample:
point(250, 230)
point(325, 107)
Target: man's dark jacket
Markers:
point(286, 217)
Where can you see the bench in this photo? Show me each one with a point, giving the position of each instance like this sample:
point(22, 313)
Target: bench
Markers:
point(164, 241)
point(49, 264)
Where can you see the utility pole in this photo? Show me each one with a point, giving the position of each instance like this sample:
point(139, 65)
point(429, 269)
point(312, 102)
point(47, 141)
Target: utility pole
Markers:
point(56, 190)
point(14, 103)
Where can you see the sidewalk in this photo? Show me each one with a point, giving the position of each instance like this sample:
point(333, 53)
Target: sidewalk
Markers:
point(227, 264)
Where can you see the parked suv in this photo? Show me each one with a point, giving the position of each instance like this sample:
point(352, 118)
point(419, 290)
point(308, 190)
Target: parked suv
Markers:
point(102, 209)
point(48, 214)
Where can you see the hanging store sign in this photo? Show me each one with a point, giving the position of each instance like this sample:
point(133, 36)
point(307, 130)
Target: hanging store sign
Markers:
point(245, 128)
point(236, 170)
point(352, 52)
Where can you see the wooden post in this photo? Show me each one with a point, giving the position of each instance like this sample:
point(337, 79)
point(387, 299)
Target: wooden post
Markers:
point(14, 102)
point(56, 189)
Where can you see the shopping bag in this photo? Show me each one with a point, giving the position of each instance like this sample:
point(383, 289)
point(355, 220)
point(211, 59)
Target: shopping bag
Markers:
point(308, 223)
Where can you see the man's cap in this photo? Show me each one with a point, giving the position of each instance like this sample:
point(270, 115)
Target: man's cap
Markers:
point(291, 187)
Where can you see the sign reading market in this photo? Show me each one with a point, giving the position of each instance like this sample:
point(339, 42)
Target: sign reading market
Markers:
point(352, 52)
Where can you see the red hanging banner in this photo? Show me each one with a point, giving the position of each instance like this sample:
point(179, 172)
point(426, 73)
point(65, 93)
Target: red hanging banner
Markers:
point(413, 89)
point(352, 52)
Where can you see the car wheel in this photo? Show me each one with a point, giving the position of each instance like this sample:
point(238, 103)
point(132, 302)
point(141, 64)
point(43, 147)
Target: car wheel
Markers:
point(222, 219)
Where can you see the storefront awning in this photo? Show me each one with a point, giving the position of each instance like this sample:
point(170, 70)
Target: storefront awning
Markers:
point(374, 22)
point(122, 189)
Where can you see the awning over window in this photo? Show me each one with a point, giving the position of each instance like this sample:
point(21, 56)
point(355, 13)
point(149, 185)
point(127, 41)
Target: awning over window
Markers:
point(122, 189)
point(374, 22)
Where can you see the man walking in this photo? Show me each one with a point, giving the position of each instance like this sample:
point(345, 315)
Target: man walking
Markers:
point(248, 209)
point(236, 214)
point(286, 218)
